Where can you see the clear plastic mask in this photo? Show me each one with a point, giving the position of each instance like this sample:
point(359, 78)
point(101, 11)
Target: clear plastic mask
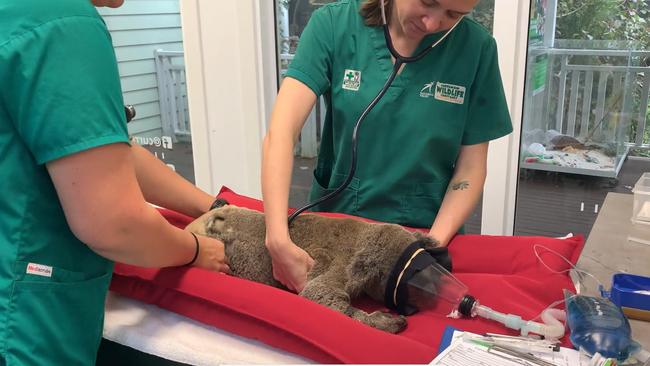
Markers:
point(435, 289)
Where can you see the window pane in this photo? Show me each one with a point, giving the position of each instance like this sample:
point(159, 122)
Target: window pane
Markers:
point(292, 17)
point(149, 48)
point(585, 112)
point(484, 14)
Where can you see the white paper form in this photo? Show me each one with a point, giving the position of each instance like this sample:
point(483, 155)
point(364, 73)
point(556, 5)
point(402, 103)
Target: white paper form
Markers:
point(566, 357)
point(461, 353)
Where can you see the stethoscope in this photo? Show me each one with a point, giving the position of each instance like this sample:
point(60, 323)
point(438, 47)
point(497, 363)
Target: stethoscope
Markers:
point(399, 61)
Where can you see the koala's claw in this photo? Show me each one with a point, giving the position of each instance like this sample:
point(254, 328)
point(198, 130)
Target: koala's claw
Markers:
point(387, 322)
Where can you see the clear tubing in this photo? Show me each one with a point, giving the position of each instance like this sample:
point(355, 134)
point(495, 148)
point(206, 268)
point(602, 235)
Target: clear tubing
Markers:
point(552, 328)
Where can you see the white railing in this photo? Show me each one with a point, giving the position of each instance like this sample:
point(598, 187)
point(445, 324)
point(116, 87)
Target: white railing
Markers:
point(597, 96)
point(172, 93)
point(591, 96)
point(580, 100)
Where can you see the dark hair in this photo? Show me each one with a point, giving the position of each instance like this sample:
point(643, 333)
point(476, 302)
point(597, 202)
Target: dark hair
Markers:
point(371, 12)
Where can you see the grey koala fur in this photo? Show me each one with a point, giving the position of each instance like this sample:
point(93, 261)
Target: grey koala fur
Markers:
point(351, 257)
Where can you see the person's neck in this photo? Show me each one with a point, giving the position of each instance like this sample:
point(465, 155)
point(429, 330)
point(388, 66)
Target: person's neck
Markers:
point(404, 45)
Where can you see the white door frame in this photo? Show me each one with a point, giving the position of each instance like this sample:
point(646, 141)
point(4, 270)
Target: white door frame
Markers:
point(231, 86)
point(231, 63)
point(511, 33)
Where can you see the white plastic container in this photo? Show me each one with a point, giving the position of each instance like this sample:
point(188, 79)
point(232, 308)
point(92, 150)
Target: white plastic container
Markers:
point(640, 229)
point(639, 232)
point(641, 208)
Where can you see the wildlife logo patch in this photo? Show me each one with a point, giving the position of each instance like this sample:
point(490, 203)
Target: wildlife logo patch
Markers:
point(450, 93)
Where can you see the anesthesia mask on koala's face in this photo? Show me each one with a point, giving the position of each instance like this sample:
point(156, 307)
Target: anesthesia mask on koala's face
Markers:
point(420, 280)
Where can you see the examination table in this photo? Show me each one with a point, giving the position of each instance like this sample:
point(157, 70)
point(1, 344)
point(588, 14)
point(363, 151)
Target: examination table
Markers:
point(199, 317)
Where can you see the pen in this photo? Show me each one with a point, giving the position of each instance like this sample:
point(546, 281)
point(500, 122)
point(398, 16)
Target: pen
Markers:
point(526, 357)
point(524, 343)
point(508, 353)
point(522, 338)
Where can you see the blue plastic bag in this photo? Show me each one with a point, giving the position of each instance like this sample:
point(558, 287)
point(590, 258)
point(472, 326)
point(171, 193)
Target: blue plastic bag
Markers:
point(599, 326)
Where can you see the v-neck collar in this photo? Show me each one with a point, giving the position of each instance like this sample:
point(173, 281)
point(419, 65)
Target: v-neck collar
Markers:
point(384, 57)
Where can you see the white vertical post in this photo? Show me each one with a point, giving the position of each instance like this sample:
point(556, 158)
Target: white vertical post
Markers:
point(550, 23)
point(510, 32)
point(227, 89)
point(283, 27)
point(269, 58)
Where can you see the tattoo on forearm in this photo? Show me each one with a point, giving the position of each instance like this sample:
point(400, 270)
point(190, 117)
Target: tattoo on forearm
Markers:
point(462, 185)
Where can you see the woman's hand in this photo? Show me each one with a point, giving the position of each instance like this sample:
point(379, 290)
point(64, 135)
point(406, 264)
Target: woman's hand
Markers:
point(291, 264)
point(212, 255)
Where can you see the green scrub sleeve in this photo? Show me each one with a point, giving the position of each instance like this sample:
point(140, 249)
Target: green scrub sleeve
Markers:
point(488, 117)
point(66, 94)
point(312, 63)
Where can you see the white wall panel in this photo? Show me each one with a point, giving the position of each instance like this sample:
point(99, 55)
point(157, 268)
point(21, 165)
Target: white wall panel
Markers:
point(227, 91)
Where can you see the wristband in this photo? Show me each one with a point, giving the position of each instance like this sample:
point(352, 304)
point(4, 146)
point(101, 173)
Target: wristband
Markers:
point(196, 253)
point(219, 202)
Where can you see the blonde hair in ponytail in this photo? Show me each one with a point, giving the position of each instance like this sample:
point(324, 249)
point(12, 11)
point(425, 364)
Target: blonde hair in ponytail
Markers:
point(371, 12)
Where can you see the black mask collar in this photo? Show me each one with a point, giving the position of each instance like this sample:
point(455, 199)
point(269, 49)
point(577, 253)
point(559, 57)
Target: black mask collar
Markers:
point(412, 260)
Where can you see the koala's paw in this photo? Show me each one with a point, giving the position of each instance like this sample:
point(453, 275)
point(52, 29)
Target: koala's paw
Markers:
point(387, 322)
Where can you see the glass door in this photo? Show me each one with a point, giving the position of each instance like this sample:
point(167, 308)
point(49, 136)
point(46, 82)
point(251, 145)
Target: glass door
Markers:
point(148, 45)
point(584, 130)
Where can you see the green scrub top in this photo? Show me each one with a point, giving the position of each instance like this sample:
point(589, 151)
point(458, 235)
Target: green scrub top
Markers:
point(60, 95)
point(409, 143)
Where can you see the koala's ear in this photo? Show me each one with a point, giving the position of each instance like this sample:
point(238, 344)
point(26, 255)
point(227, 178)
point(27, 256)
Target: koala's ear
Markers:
point(198, 226)
point(208, 224)
point(214, 225)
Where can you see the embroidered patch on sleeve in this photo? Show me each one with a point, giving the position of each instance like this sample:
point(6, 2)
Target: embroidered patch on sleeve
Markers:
point(351, 79)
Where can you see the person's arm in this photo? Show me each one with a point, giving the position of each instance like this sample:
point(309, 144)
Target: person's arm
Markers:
point(292, 106)
point(463, 192)
point(106, 210)
point(164, 187)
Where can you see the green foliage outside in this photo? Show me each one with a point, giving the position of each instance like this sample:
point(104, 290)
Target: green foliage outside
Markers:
point(484, 13)
point(610, 20)
point(624, 24)
point(626, 20)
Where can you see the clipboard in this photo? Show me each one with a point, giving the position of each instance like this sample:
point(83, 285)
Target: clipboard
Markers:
point(447, 336)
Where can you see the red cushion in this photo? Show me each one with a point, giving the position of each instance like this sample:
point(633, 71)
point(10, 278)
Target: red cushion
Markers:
point(502, 272)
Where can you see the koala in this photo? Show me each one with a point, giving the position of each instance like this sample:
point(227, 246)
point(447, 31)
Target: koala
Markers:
point(351, 257)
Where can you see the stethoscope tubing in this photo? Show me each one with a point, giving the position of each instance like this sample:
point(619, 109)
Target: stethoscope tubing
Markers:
point(353, 163)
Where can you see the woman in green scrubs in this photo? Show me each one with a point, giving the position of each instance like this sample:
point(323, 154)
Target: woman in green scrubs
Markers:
point(422, 150)
point(73, 188)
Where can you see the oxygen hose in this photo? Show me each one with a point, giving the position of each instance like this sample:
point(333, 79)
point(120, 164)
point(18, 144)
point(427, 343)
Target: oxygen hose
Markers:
point(551, 328)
